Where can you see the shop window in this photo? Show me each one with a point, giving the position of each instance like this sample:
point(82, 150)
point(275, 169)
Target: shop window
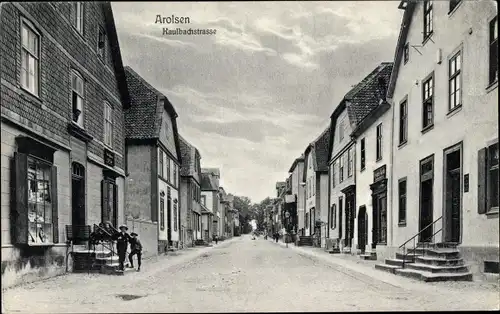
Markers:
point(109, 201)
point(36, 214)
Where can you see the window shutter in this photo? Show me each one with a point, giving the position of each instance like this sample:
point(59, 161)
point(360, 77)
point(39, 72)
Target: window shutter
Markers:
point(481, 180)
point(55, 210)
point(104, 201)
point(115, 204)
point(20, 217)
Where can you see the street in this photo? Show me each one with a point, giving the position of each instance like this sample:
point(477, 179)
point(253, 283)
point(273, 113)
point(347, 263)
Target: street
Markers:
point(242, 275)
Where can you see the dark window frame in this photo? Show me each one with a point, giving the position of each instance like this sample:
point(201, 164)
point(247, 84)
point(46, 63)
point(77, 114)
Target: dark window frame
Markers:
point(493, 51)
point(406, 53)
point(455, 76)
point(403, 121)
point(379, 143)
point(162, 213)
point(453, 5)
point(363, 154)
point(428, 15)
point(402, 200)
point(428, 87)
point(491, 169)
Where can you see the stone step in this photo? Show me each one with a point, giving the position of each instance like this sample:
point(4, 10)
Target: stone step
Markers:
point(107, 260)
point(92, 253)
point(439, 245)
point(432, 277)
point(409, 256)
point(397, 262)
point(431, 260)
point(388, 268)
point(368, 257)
point(436, 252)
point(438, 269)
point(334, 251)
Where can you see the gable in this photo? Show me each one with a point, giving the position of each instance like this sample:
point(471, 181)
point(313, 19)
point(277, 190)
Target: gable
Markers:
point(167, 134)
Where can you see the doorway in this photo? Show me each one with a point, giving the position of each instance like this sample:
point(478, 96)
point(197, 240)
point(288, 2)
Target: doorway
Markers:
point(169, 217)
point(349, 219)
point(77, 195)
point(341, 205)
point(453, 194)
point(362, 228)
point(426, 199)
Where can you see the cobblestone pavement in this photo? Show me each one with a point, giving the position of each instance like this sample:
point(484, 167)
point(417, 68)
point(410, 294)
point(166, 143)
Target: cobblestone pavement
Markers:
point(245, 276)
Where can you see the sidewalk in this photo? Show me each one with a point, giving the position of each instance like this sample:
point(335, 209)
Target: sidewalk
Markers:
point(72, 289)
point(354, 266)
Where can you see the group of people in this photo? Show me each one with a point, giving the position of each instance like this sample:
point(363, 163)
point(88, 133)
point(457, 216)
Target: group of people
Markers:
point(123, 239)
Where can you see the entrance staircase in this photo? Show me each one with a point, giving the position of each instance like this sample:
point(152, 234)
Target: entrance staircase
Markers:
point(368, 256)
point(305, 241)
point(428, 261)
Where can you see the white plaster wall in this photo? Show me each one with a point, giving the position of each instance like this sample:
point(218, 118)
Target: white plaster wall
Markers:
point(474, 125)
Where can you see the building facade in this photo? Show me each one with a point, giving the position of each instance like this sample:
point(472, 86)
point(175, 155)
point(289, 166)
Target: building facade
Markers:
point(315, 177)
point(210, 200)
point(372, 162)
point(62, 101)
point(214, 179)
point(153, 151)
point(444, 91)
point(190, 193)
point(296, 172)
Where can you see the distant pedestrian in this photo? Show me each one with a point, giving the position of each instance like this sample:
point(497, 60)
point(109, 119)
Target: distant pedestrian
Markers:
point(135, 249)
point(216, 238)
point(122, 239)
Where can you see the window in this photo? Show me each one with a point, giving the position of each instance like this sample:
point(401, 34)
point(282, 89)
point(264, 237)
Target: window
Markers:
point(403, 122)
point(334, 173)
point(308, 223)
point(492, 177)
point(101, 44)
point(350, 163)
point(493, 66)
point(402, 201)
point(427, 93)
point(454, 82)
point(453, 4)
point(109, 201)
point(175, 175)
point(334, 216)
point(30, 59)
point(160, 159)
point(341, 130)
point(341, 169)
point(176, 220)
point(78, 16)
point(168, 169)
point(427, 19)
point(193, 191)
point(204, 200)
point(162, 213)
point(108, 124)
point(77, 96)
point(379, 142)
point(40, 224)
point(406, 52)
point(362, 165)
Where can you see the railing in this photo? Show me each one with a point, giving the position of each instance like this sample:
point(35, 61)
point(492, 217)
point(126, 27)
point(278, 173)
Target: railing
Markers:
point(104, 238)
point(405, 253)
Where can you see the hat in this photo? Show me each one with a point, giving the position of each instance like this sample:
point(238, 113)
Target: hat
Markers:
point(123, 226)
point(134, 234)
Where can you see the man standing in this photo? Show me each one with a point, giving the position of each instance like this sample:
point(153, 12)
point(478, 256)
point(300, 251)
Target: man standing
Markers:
point(122, 239)
point(135, 249)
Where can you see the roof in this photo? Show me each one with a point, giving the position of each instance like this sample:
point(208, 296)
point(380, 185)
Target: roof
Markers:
point(144, 116)
point(189, 155)
point(295, 162)
point(207, 182)
point(116, 54)
point(365, 97)
point(403, 34)
point(320, 147)
point(214, 171)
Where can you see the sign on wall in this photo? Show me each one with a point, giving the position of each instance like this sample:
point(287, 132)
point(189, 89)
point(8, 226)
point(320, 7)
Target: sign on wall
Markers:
point(109, 158)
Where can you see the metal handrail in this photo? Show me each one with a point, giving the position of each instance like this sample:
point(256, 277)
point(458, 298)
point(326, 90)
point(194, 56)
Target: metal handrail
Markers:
point(106, 244)
point(405, 254)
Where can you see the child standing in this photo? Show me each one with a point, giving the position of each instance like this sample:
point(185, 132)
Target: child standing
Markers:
point(136, 249)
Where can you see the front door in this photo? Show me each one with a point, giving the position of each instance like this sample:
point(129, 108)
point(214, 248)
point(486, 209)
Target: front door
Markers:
point(362, 226)
point(341, 203)
point(426, 199)
point(452, 219)
point(77, 197)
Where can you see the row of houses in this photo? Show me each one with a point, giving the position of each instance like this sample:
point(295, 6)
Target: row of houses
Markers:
point(86, 141)
point(410, 155)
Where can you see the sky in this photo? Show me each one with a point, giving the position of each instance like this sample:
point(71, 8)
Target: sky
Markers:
point(252, 96)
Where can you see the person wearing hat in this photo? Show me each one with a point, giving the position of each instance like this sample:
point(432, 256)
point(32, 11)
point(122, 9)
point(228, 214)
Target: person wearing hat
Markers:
point(122, 239)
point(136, 249)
